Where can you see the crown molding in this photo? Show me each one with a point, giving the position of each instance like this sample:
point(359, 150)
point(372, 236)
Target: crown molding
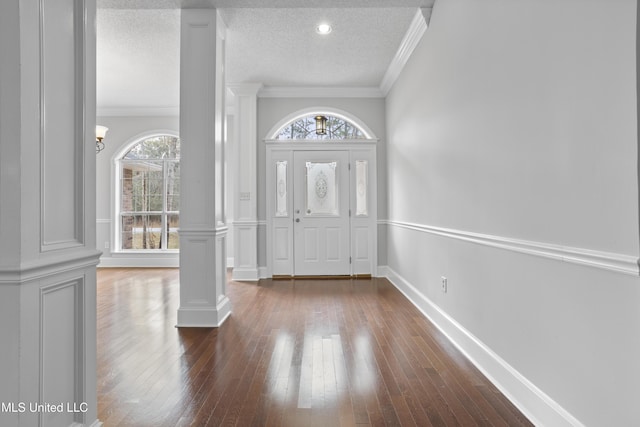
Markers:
point(319, 92)
point(409, 42)
point(221, 26)
point(137, 111)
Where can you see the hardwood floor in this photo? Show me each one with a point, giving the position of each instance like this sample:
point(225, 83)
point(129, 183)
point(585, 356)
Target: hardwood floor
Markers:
point(293, 353)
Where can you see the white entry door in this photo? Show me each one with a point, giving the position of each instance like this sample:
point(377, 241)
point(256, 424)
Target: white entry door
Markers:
point(321, 213)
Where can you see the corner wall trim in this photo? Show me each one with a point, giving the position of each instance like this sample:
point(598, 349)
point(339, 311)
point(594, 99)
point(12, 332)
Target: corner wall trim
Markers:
point(537, 406)
point(619, 263)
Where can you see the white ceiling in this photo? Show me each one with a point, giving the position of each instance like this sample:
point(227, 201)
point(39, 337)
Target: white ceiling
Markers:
point(138, 46)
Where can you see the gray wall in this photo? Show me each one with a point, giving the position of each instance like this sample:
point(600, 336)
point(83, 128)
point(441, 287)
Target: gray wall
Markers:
point(514, 124)
point(370, 110)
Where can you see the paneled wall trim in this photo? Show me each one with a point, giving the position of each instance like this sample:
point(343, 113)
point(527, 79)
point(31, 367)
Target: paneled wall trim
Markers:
point(620, 263)
point(62, 344)
point(62, 128)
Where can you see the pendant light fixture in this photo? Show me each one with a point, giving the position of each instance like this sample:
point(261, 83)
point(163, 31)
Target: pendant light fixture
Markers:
point(321, 125)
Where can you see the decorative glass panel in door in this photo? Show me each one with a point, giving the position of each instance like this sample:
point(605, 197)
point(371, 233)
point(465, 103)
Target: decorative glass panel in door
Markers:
point(322, 189)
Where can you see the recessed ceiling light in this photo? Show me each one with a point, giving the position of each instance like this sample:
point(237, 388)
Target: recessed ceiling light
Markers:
point(323, 29)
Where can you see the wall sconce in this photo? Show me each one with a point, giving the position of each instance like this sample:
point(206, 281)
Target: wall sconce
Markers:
point(321, 125)
point(101, 131)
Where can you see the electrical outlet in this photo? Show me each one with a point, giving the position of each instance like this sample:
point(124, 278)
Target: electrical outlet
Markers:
point(443, 281)
point(106, 244)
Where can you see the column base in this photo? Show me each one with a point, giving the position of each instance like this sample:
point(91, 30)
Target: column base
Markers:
point(204, 317)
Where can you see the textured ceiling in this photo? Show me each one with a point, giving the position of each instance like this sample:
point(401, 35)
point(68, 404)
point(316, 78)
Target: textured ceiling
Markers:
point(279, 47)
point(138, 58)
point(138, 46)
point(172, 4)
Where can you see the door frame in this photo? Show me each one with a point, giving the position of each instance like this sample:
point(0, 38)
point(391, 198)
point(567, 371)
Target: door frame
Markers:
point(363, 245)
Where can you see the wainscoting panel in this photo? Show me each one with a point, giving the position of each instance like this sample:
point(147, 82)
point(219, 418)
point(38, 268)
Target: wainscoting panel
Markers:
point(198, 251)
point(62, 142)
point(245, 260)
point(61, 349)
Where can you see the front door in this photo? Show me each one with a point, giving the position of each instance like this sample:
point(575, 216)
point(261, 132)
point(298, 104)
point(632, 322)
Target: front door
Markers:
point(321, 213)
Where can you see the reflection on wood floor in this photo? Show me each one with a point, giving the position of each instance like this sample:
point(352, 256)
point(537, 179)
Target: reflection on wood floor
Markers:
point(293, 353)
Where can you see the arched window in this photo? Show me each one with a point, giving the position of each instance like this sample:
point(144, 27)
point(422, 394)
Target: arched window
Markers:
point(149, 196)
point(305, 128)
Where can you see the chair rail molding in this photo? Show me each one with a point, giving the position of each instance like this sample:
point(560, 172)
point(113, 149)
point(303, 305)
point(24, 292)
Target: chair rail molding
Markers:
point(620, 263)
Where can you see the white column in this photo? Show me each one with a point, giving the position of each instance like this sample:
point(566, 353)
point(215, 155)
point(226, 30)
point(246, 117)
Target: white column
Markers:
point(203, 261)
point(245, 223)
point(47, 212)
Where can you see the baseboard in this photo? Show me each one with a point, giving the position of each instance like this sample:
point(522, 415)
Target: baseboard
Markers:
point(383, 271)
point(204, 317)
point(537, 406)
point(245, 274)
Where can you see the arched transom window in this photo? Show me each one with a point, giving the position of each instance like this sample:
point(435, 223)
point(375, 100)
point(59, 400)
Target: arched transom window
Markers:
point(150, 194)
point(305, 128)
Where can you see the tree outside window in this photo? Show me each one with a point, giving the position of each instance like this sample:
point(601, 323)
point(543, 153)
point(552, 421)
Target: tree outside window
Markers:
point(150, 194)
point(305, 128)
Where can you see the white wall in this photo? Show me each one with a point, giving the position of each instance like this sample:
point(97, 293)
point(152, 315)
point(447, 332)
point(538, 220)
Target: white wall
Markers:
point(123, 131)
point(370, 111)
point(512, 149)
